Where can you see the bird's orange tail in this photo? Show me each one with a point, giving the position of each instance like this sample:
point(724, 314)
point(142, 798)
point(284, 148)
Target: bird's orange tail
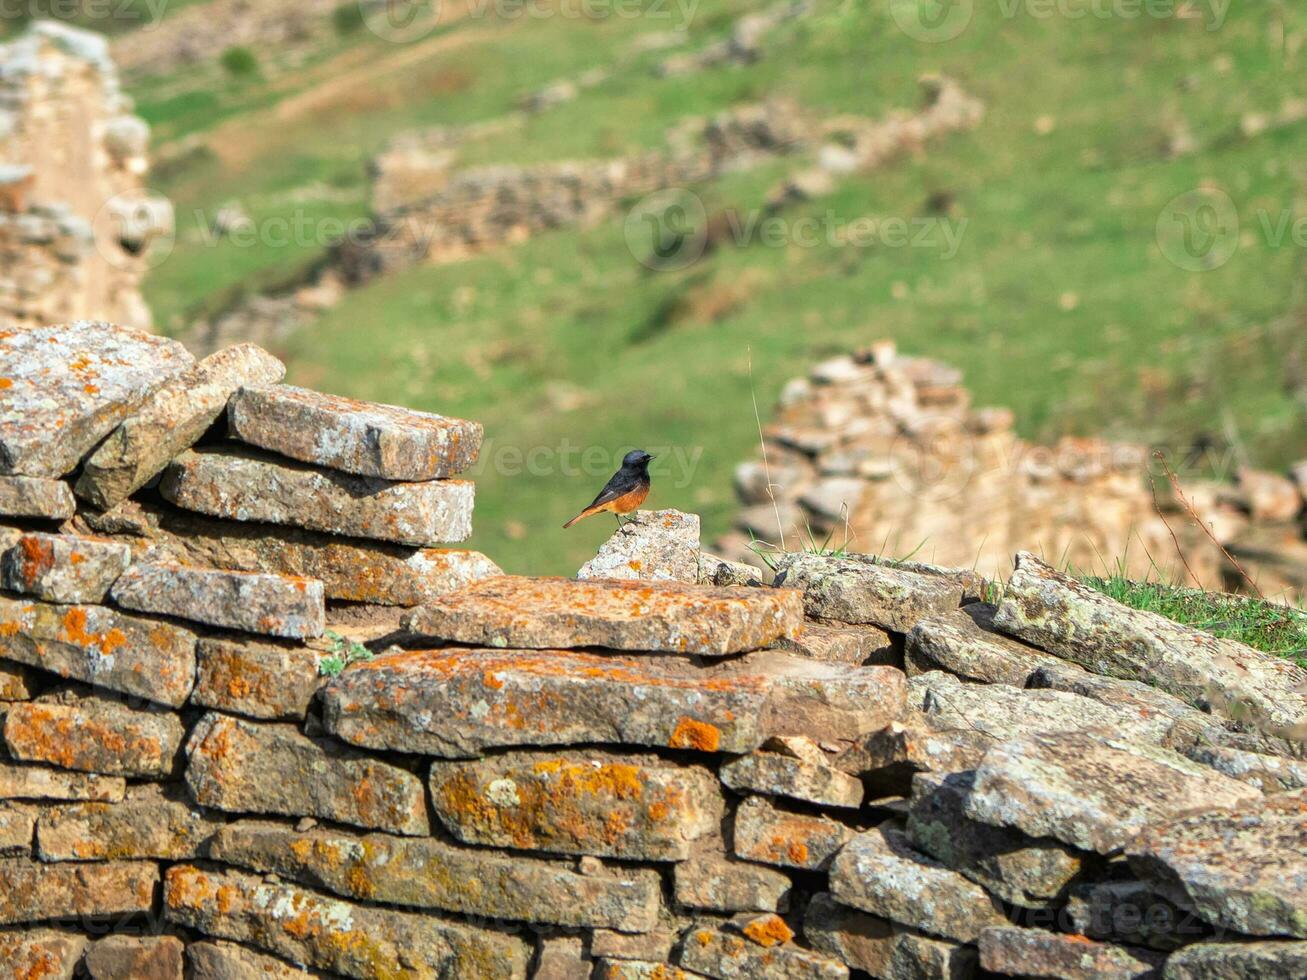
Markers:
point(584, 513)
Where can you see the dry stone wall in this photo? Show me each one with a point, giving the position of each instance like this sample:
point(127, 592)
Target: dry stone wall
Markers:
point(256, 722)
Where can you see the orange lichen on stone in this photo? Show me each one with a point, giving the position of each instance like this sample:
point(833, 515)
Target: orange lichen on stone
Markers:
point(769, 931)
point(74, 631)
point(698, 735)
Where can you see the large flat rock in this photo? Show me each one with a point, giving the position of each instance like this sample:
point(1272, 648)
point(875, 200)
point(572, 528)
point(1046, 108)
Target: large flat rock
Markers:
point(63, 568)
point(138, 957)
point(715, 883)
point(245, 485)
point(883, 948)
point(859, 589)
point(253, 602)
point(727, 953)
point(964, 644)
point(1093, 792)
point(1056, 613)
point(518, 612)
point(42, 954)
point(353, 436)
point(352, 569)
point(773, 771)
point(67, 387)
point(1243, 869)
point(426, 873)
point(101, 646)
point(1238, 961)
point(94, 734)
point(635, 807)
point(21, 782)
point(242, 767)
point(768, 834)
point(171, 420)
point(457, 703)
point(232, 961)
point(149, 823)
point(888, 758)
point(1032, 952)
point(34, 496)
point(259, 680)
point(31, 891)
point(329, 934)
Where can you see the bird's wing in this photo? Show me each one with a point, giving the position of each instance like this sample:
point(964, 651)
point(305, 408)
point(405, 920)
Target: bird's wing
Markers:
point(618, 486)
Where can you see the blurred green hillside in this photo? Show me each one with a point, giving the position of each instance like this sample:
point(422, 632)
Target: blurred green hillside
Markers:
point(1060, 302)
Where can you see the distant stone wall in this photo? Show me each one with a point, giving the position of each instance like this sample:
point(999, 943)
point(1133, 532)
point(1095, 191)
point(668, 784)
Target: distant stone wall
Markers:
point(257, 722)
point(75, 220)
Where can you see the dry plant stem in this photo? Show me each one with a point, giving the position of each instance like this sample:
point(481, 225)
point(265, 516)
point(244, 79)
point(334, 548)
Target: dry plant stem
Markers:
point(762, 441)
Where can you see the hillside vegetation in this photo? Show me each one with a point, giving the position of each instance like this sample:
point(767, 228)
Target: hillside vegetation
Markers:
point(1059, 301)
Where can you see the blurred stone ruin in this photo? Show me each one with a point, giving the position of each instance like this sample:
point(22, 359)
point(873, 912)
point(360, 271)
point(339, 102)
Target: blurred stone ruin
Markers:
point(260, 721)
point(76, 222)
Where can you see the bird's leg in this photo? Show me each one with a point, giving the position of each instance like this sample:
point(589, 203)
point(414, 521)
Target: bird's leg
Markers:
point(620, 525)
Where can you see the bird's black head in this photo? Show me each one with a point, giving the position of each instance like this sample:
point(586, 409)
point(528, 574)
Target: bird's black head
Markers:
point(636, 459)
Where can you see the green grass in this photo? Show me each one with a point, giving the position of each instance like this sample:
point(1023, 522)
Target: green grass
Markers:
point(1262, 625)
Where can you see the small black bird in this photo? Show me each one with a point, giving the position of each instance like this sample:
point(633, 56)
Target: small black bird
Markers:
point(625, 491)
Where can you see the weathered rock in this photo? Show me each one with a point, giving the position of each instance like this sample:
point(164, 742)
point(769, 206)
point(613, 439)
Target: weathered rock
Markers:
point(328, 934)
point(608, 969)
point(561, 958)
point(1237, 961)
point(103, 647)
point(250, 601)
point(246, 485)
point(18, 782)
point(457, 703)
point(170, 421)
point(770, 835)
point(18, 682)
point(364, 438)
point(654, 946)
point(775, 773)
point(1132, 913)
point(1058, 614)
point(351, 569)
point(34, 496)
point(63, 568)
point(1005, 712)
point(715, 570)
point(1269, 496)
point(135, 958)
point(715, 883)
point(887, 759)
point(17, 828)
point(34, 892)
point(67, 387)
point(861, 590)
point(661, 545)
point(259, 680)
point(1093, 792)
point(963, 644)
point(729, 955)
point(1267, 773)
point(840, 643)
point(1007, 863)
point(241, 767)
point(41, 954)
point(94, 734)
point(230, 961)
point(637, 807)
point(1033, 952)
point(517, 612)
point(429, 873)
point(1240, 868)
point(882, 948)
point(149, 823)
point(878, 872)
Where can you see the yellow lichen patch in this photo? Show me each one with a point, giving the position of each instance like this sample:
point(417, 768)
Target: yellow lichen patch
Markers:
point(770, 930)
point(698, 735)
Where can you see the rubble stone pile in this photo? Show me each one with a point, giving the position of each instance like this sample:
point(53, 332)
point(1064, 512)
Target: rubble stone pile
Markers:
point(256, 723)
point(75, 219)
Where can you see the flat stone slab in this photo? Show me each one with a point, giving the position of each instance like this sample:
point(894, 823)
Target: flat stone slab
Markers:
point(253, 602)
point(1132, 913)
point(351, 569)
point(259, 680)
point(964, 644)
point(242, 767)
point(715, 883)
point(861, 590)
point(34, 496)
point(1056, 613)
point(63, 568)
point(1267, 773)
point(725, 953)
point(1033, 952)
point(770, 835)
point(614, 969)
point(20, 782)
point(1093, 792)
point(426, 873)
point(232, 961)
point(94, 734)
point(148, 823)
point(1242, 869)
point(352, 436)
point(879, 872)
point(66, 387)
point(170, 421)
point(887, 759)
point(17, 828)
point(778, 773)
point(334, 935)
point(883, 948)
point(31, 891)
point(1238, 960)
point(523, 613)
point(144, 957)
point(635, 807)
point(42, 953)
point(101, 646)
point(245, 485)
point(457, 703)
point(18, 682)
point(839, 643)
